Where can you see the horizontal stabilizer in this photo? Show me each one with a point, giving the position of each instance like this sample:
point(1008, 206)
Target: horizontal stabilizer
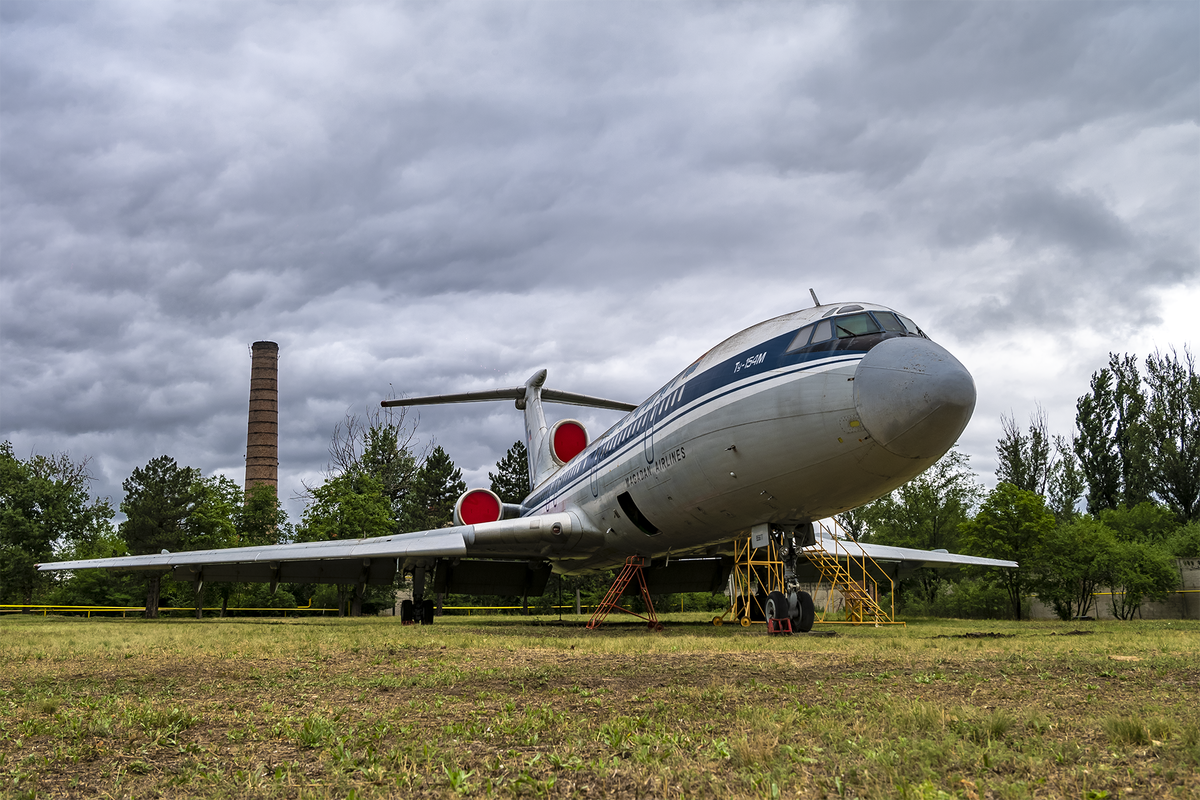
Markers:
point(515, 393)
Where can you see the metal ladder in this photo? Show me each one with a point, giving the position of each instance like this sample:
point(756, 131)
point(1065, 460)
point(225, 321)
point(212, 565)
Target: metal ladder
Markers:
point(858, 596)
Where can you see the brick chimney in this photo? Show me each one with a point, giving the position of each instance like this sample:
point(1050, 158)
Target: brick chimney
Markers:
point(262, 430)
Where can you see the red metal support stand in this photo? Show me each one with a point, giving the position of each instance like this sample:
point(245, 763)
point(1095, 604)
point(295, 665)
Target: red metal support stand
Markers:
point(631, 570)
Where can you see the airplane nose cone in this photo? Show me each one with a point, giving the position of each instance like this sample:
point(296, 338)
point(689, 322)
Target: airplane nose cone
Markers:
point(913, 397)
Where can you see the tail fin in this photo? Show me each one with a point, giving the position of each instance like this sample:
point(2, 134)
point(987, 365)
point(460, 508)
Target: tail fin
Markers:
point(537, 434)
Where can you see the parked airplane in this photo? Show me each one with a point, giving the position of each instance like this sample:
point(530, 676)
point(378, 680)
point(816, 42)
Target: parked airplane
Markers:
point(792, 420)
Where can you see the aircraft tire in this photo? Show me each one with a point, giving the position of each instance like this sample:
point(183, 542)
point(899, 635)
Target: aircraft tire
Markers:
point(427, 612)
point(777, 606)
point(406, 610)
point(808, 613)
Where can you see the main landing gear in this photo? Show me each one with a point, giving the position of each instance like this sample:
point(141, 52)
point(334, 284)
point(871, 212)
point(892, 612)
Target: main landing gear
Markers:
point(789, 613)
point(418, 609)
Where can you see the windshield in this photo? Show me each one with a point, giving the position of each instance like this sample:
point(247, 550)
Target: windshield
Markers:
point(852, 326)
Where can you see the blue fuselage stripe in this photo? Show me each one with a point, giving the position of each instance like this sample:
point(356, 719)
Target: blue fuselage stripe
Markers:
point(673, 402)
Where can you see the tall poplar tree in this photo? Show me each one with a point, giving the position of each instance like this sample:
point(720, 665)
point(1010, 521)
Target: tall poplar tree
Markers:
point(1173, 420)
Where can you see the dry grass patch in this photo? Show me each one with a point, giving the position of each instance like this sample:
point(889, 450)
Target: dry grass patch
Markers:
point(477, 708)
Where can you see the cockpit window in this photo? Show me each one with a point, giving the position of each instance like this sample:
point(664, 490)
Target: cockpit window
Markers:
point(822, 330)
point(883, 324)
point(910, 326)
point(811, 334)
point(889, 322)
point(855, 325)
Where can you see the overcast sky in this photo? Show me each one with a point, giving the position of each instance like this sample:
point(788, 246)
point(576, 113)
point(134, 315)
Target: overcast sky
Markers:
point(426, 198)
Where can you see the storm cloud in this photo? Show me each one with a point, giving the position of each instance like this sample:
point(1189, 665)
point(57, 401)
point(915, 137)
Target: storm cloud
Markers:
point(414, 198)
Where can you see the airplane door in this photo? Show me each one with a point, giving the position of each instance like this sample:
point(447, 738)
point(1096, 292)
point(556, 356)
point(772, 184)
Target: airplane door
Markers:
point(594, 479)
point(648, 444)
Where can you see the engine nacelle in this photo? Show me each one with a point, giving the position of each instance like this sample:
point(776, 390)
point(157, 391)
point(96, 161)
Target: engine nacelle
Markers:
point(476, 506)
point(568, 437)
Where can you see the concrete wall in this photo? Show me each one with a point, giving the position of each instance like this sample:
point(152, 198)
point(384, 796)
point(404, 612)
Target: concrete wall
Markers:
point(1183, 604)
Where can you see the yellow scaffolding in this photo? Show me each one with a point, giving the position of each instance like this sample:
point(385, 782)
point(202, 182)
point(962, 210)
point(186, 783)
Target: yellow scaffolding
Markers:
point(752, 567)
point(850, 574)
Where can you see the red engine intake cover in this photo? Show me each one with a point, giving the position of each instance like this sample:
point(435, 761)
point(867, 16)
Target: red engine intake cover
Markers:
point(477, 505)
point(567, 440)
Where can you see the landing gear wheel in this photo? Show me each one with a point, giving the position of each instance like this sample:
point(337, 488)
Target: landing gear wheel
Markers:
point(807, 613)
point(406, 611)
point(427, 612)
point(718, 622)
point(745, 623)
point(777, 606)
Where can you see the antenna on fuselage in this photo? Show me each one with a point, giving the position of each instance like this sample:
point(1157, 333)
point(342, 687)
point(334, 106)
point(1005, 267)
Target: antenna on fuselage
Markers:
point(814, 297)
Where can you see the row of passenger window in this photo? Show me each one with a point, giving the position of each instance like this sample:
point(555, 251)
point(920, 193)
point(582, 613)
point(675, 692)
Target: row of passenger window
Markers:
point(862, 324)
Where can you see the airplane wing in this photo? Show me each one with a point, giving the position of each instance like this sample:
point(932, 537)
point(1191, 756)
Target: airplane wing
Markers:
point(372, 561)
point(880, 560)
point(911, 558)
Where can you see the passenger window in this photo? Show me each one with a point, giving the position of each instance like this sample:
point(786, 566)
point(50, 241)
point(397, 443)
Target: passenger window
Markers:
point(856, 325)
point(888, 321)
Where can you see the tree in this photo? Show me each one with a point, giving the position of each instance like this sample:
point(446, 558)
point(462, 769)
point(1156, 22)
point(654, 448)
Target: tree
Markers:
point(436, 488)
point(44, 503)
point(1095, 416)
point(511, 479)
point(1067, 482)
point(1037, 462)
point(159, 500)
point(1067, 567)
point(925, 513)
point(1011, 524)
point(379, 443)
point(261, 519)
point(1026, 460)
point(210, 525)
point(159, 497)
point(1130, 433)
point(1185, 542)
point(347, 506)
point(1149, 523)
point(1173, 421)
point(1135, 571)
point(1113, 441)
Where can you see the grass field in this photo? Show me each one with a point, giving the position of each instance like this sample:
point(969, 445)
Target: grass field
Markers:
point(481, 707)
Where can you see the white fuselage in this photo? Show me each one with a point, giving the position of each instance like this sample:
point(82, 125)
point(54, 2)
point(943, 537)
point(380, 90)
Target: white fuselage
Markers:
point(752, 434)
